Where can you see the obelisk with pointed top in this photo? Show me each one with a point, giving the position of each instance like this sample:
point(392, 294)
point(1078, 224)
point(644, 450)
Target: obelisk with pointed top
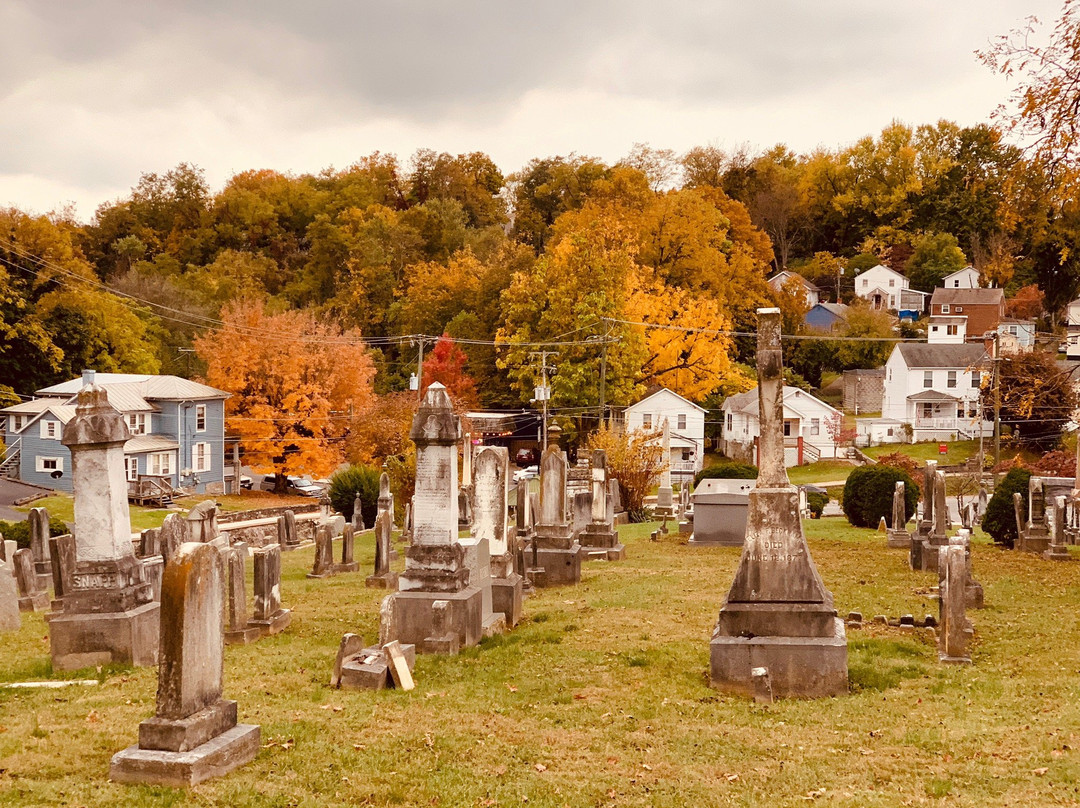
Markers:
point(778, 614)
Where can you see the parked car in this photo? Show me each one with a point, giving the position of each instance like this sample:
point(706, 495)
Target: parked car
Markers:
point(245, 483)
point(526, 457)
point(293, 485)
point(527, 473)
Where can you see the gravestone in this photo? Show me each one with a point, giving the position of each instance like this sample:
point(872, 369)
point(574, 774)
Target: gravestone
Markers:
point(523, 529)
point(406, 524)
point(239, 630)
point(323, 565)
point(269, 616)
point(288, 536)
point(357, 667)
point(10, 619)
point(383, 577)
point(923, 555)
point(1036, 538)
point(580, 513)
point(664, 494)
point(32, 598)
point(172, 533)
point(555, 548)
point(358, 515)
point(983, 499)
point(491, 493)
point(973, 590)
point(435, 562)
point(105, 608)
point(38, 520)
point(924, 525)
point(599, 539)
point(954, 632)
point(1057, 550)
point(203, 525)
point(194, 735)
point(778, 614)
point(898, 536)
point(686, 521)
point(348, 550)
point(721, 511)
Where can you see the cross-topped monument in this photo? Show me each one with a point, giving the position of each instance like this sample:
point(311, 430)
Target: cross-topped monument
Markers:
point(778, 614)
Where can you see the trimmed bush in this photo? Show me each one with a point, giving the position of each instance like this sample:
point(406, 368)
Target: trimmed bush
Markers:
point(1000, 517)
point(816, 502)
point(19, 532)
point(868, 494)
point(347, 483)
point(727, 470)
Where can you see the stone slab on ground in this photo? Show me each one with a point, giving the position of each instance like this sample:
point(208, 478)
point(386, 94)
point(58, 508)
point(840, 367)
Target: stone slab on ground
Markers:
point(215, 758)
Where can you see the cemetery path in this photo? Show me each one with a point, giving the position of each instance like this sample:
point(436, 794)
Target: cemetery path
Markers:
point(10, 491)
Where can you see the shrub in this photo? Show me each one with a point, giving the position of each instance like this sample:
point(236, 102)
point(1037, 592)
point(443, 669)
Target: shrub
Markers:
point(727, 470)
point(19, 532)
point(345, 485)
point(636, 459)
point(899, 460)
point(868, 494)
point(816, 502)
point(1000, 517)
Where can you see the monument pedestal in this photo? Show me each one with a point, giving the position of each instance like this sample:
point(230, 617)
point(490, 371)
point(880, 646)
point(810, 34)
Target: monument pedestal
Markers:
point(413, 618)
point(274, 624)
point(507, 596)
point(243, 636)
point(1034, 540)
point(599, 542)
point(898, 539)
point(217, 757)
point(558, 553)
point(387, 580)
point(80, 640)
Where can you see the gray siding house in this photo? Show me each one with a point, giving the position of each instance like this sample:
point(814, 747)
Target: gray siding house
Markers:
point(177, 433)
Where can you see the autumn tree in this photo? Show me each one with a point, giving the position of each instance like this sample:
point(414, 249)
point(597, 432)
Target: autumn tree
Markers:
point(1038, 399)
point(446, 365)
point(1027, 304)
point(635, 459)
point(384, 431)
point(295, 385)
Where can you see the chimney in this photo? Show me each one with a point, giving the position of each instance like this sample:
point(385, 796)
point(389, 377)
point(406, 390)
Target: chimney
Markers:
point(88, 377)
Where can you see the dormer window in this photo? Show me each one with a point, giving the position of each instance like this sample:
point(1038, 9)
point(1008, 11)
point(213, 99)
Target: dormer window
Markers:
point(50, 430)
point(136, 422)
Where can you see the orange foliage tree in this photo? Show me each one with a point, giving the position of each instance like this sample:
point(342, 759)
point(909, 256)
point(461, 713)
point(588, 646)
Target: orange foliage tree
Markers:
point(446, 365)
point(296, 385)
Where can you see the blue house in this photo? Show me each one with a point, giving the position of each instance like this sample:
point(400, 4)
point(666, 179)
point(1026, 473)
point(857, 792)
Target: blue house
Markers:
point(177, 434)
point(826, 316)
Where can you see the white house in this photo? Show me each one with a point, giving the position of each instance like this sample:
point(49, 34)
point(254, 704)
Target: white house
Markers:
point(934, 389)
point(947, 330)
point(686, 421)
point(881, 287)
point(809, 424)
point(777, 281)
point(966, 278)
point(1072, 327)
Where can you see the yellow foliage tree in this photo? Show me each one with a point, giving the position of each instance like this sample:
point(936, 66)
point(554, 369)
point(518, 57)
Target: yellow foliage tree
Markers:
point(296, 385)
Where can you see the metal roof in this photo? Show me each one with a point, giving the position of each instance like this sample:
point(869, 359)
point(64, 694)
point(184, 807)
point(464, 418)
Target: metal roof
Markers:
point(939, 355)
point(150, 443)
point(931, 395)
point(166, 388)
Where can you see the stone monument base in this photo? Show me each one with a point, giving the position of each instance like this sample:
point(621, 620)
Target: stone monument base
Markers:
point(507, 595)
point(561, 566)
point(370, 669)
point(243, 636)
point(275, 624)
point(1033, 542)
point(81, 640)
point(924, 555)
point(1056, 552)
point(215, 758)
point(898, 539)
point(413, 620)
point(598, 544)
point(352, 566)
point(494, 624)
point(387, 580)
point(798, 667)
point(39, 601)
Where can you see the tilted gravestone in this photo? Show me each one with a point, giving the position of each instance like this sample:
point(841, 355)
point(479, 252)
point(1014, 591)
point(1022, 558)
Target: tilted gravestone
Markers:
point(194, 734)
point(106, 609)
point(490, 493)
point(778, 614)
point(269, 616)
point(32, 598)
point(10, 619)
point(556, 550)
point(323, 565)
point(599, 537)
point(383, 577)
point(435, 562)
point(954, 632)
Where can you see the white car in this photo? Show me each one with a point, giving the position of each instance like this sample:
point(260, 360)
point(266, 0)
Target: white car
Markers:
point(527, 473)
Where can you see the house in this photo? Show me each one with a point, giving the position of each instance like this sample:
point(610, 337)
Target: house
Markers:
point(966, 278)
point(177, 434)
point(934, 390)
point(809, 427)
point(686, 421)
point(826, 316)
point(984, 308)
point(1016, 335)
point(1072, 329)
point(777, 281)
point(863, 390)
point(881, 287)
point(946, 330)
point(913, 304)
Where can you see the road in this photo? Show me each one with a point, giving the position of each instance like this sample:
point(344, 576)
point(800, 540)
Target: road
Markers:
point(11, 490)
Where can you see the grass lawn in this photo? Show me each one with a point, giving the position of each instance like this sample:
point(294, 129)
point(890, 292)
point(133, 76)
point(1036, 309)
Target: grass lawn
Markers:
point(601, 698)
point(821, 471)
point(959, 451)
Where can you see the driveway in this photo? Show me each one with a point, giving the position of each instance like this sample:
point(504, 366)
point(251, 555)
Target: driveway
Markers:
point(11, 490)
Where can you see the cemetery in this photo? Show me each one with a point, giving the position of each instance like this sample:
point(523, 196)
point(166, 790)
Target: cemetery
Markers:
point(505, 658)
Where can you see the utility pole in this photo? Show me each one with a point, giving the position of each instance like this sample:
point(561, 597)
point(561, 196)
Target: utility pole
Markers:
point(419, 366)
point(189, 352)
point(543, 392)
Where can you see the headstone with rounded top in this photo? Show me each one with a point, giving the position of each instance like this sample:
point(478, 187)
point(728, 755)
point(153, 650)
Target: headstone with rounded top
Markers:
point(600, 539)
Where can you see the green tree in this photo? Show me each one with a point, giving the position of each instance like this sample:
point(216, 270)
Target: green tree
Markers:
point(936, 255)
point(868, 494)
point(1000, 517)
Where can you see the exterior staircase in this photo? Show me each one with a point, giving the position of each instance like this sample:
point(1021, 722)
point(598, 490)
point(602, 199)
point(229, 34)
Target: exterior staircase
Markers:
point(9, 467)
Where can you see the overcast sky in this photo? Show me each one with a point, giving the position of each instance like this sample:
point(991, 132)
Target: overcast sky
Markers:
point(95, 93)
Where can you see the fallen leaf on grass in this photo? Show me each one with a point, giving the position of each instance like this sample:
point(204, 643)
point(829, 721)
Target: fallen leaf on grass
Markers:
point(333, 707)
point(1040, 771)
point(93, 717)
point(646, 767)
point(511, 688)
point(731, 778)
point(540, 767)
point(611, 761)
point(813, 795)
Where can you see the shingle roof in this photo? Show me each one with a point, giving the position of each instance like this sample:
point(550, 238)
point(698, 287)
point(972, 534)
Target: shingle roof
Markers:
point(967, 297)
point(931, 395)
point(919, 355)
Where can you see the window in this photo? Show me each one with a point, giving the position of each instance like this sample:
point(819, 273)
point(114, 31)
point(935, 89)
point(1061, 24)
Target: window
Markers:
point(927, 410)
point(48, 464)
point(131, 468)
point(952, 379)
point(136, 422)
point(200, 457)
point(681, 422)
point(787, 429)
point(928, 378)
point(646, 420)
point(933, 328)
point(892, 282)
point(952, 330)
point(200, 417)
point(889, 431)
point(865, 283)
point(160, 464)
point(17, 422)
point(976, 379)
point(686, 455)
point(730, 418)
point(50, 430)
point(815, 426)
point(956, 283)
point(959, 309)
point(973, 410)
point(944, 308)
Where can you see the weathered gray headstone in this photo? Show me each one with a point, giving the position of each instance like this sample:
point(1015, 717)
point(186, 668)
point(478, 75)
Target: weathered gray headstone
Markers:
point(10, 619)
point(173, 533)
point(239, 630)
point(778, 614)
point(194, 734)
point(202, 523)
point(107, 614)
point(269, 617)
point(38, 520)
point(1036, 538)
point(32, 598)
point(664, 493)
point(383, 577)
point(323, 565)
point(348, 550)
point(954, 633)
point(599, 537)
point(898, 535)
point(491, 492)
point(435, 562)
point(555, 548)
point(357, 514)
point(1057, 550)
